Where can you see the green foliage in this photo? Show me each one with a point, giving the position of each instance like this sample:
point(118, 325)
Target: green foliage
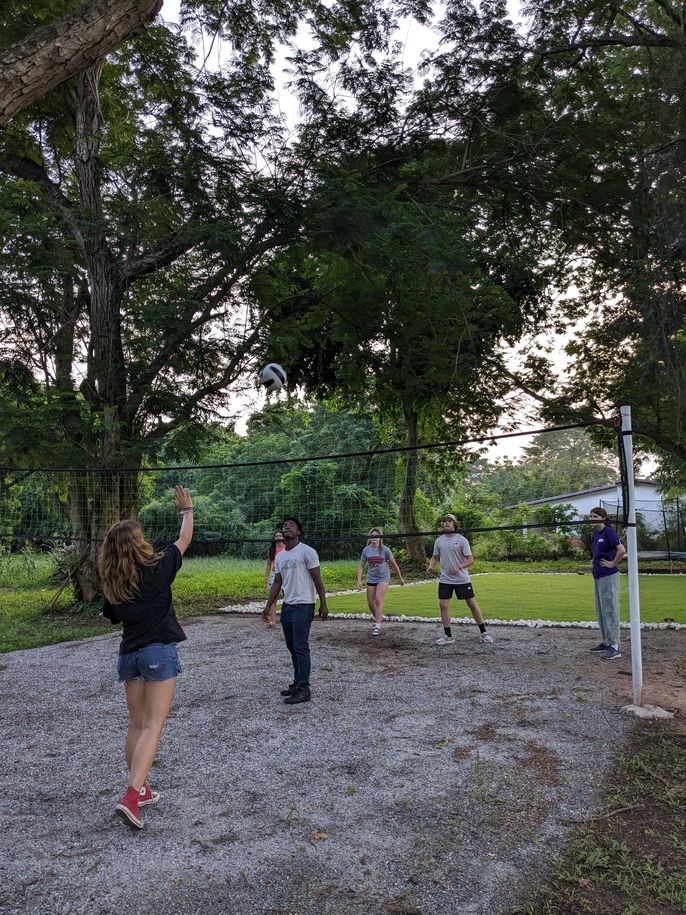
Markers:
point(616, 99)
point(19, 568)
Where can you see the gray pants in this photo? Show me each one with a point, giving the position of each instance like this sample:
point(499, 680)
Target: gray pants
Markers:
point(607, 607)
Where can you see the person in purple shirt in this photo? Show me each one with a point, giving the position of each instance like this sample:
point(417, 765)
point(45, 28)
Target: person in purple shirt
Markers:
point(607, 552)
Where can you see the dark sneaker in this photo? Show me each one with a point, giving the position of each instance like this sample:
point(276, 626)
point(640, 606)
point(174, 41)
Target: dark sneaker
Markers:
point(611, 654)
point(601, 647)
point(147, 796)
point(300, 695)
point(127, 809)
point(289, 690)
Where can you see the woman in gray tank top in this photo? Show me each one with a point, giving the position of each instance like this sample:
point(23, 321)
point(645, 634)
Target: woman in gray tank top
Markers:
point(378, 558)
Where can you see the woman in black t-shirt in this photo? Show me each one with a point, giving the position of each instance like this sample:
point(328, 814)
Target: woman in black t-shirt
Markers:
point(136, 581)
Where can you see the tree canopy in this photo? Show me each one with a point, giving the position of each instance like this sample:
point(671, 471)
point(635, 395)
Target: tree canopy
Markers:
point(163, 227)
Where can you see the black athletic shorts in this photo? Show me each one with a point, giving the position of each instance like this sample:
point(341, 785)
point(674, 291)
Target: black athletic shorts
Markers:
point(462, 592)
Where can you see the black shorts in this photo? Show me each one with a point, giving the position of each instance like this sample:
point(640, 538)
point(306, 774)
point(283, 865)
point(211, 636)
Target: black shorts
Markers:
point(462, 592)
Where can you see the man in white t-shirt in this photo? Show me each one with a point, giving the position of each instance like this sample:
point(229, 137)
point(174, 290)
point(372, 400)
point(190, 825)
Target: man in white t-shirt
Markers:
point(297, 574)
point(454, 554)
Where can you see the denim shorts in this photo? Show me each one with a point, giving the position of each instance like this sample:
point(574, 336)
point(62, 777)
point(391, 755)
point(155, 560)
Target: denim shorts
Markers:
point(154, 662)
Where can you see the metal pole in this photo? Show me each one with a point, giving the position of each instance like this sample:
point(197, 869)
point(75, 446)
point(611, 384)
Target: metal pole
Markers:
point(632, 560)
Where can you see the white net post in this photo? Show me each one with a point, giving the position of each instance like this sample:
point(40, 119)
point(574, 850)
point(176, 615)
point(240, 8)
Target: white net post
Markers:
point(632, 560)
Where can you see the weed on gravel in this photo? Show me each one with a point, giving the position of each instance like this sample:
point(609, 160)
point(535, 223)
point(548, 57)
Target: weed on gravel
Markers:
point(630, 858)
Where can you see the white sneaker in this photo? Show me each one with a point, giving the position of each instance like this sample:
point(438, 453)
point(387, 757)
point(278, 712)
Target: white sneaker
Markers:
point(485, 637)
point(445, 640)
point(376, 630)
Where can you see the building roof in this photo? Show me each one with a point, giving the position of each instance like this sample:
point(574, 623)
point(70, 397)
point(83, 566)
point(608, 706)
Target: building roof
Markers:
point(585, 492)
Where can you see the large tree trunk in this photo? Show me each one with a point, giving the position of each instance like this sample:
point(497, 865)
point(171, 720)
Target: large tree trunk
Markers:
point(96, 502)
point(408, 519)
point(50, 55)
point(111, 494)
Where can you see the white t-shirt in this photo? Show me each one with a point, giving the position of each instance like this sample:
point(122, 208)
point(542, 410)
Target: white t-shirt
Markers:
point(451, 550)
point(293, 567)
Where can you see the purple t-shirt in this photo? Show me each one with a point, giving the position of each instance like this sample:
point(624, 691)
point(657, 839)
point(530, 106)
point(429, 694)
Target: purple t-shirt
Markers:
point(605, 545)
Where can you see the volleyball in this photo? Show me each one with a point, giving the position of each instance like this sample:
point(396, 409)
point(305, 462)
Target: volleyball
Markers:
point(272, 377)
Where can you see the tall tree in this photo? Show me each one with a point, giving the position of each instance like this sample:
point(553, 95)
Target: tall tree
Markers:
point(129, 226)
point(419, 259)
point(617, 78)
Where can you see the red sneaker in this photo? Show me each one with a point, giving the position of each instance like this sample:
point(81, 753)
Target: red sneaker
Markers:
point(127, 808)
point(147, 796)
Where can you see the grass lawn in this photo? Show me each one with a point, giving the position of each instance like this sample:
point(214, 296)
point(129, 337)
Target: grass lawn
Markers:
point(566, 597)
point(203, 585)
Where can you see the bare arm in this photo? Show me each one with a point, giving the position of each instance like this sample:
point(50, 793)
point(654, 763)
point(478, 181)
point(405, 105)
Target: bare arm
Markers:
point(319, 588)
point(432, 564)
point(360, 573)
point(396, 568)
point(268, 569)
point(468, 561)
point(274, 590)
point(184, 503)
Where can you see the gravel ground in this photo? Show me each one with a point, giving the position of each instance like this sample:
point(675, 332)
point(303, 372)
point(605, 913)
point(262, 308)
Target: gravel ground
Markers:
point(419, 780)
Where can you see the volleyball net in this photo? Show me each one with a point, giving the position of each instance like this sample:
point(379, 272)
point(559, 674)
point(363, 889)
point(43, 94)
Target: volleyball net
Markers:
point(508, 505)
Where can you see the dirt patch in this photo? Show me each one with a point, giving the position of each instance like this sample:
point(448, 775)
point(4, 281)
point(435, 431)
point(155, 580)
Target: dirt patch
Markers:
point(543, 762)
point(419, 779)
point(632, 853)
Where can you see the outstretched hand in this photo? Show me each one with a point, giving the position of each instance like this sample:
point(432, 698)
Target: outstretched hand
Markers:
point(182, 497)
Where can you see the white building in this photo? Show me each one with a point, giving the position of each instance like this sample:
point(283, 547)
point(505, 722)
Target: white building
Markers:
point(609, 497)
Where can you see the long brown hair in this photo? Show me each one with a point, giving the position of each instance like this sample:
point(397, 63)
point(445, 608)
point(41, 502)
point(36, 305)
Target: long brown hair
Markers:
point(122, 555)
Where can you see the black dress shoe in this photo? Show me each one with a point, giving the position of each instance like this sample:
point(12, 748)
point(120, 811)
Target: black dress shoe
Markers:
point(289, 690)
point(300, 695)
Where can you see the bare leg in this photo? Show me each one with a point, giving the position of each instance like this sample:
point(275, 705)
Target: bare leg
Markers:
point(371, 592)
point(476, 612)
point(136, 703)
point(379, 597)
point(157, 700)
point(445, 612)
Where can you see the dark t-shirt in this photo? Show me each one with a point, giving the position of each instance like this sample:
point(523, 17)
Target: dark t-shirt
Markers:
point(150, 617)
point(605, 545)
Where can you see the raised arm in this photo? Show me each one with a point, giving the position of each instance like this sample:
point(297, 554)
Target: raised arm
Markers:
point(184, 503)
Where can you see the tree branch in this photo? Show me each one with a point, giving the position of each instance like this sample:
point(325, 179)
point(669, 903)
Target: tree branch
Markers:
point(52, 54)
point(624, 41)
point(28, 170)
point(677, 18)
point(226, 378)
point(162, 255)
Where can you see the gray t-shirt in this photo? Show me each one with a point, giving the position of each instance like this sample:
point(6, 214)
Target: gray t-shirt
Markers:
point(451, 550)
point(377, 563)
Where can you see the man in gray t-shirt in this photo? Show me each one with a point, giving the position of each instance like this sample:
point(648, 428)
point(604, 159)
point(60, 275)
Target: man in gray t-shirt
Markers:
point(453, 553)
